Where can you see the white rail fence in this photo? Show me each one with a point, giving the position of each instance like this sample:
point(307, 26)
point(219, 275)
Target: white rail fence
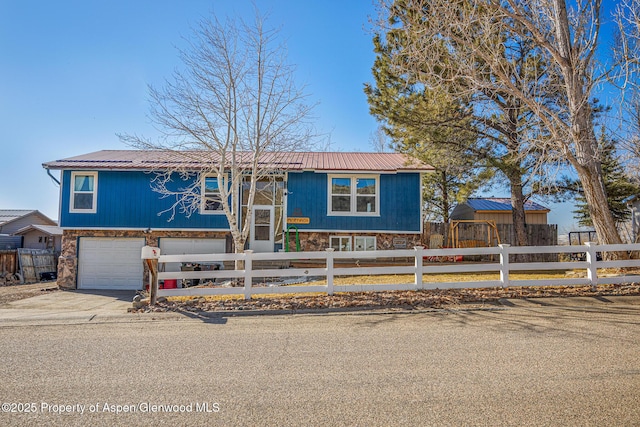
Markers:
point(327, 266)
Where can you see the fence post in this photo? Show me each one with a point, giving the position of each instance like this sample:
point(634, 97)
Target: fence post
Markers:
point(330, 270)
point(418, 266)
point(248, 273)
point(592, 268)
point(504, 265)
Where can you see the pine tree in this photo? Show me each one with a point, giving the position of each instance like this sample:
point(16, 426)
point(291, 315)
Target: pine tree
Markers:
point(412, 116)
point(467, 138)
point(618, 185)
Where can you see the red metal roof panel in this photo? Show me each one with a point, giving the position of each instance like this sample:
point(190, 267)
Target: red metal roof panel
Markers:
point(320, 161)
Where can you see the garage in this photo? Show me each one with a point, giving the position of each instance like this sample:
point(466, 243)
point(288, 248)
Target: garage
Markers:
point(182, 246)
point(110, 263)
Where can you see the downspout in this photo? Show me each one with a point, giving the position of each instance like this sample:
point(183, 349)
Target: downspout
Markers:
point(53, 177)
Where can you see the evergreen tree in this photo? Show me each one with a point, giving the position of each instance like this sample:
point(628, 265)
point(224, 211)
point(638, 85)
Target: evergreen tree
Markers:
point(618, 185)
point(468, 137)
point(411, 115)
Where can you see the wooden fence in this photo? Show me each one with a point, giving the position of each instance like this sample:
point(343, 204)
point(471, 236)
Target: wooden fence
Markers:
point(37, 264)
point(330, 264)
point(8, 261)
point(475, 235)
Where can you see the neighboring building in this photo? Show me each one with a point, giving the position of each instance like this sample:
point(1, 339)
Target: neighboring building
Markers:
point(38, 236)
point(498, 210)
point(12, 220)
point(348, 201)
point(10, 243)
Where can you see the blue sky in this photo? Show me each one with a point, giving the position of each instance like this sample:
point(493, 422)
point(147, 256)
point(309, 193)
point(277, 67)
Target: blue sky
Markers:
point(75, 73)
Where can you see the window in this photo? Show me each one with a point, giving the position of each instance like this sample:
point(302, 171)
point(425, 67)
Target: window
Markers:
point(365, 243)
point(211, 199)
point(84, 187)
point(340, 243)
point(353, 195)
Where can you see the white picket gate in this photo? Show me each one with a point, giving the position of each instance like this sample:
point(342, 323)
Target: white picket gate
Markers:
point(328, 268)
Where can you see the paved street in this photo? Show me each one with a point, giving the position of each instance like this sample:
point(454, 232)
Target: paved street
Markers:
point(524, 365)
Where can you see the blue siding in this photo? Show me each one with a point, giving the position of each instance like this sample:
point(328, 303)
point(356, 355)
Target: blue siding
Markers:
point(399, 204)
point(126, 200)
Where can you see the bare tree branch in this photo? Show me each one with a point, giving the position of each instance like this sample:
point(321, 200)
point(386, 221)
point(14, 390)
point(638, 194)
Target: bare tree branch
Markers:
point(234, 103)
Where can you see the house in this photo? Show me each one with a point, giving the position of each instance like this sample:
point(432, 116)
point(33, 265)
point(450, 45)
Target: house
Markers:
point(498, 210)
point(37, 236)
point(12, 220)
point(633, 225)
point(347, 201)
point(31, 228)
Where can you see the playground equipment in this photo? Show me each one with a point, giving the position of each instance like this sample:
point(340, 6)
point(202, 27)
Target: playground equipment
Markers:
point(492, 236)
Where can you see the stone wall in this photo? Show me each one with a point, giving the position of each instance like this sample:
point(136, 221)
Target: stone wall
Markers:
point(320, 241)
point(68, 261)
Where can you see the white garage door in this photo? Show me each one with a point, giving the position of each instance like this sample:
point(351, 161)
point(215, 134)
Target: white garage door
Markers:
point(176, 246)
point(110, 263)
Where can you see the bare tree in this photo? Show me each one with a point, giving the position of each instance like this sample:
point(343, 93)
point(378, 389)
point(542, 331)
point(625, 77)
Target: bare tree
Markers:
point(231, 111)
point(379, 140)
point(627, 52)
point(458, 39)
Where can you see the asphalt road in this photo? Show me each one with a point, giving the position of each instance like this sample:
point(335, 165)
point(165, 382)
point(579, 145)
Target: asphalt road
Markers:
point(518, 366)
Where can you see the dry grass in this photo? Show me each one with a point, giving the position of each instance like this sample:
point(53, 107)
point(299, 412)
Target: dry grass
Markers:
point(435, 278)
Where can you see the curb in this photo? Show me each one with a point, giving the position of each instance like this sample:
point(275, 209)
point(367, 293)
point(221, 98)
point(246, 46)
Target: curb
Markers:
point(25, 317)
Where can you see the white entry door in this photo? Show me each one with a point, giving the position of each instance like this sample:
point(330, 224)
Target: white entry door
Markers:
point(262, 229)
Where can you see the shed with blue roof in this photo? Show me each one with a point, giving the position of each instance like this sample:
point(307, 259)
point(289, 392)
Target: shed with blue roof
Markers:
point(499, 210)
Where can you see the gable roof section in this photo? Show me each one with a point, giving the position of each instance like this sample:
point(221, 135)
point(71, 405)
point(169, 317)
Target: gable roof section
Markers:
point(496, 204)
point(7, 215)
point(52, 230)
point(13, 219)
point(294, 161)
point(10, 215)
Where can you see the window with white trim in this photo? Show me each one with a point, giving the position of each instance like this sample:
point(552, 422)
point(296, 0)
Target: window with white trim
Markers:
point(211, 198)
point(340, 243)
point(364, 243)
point(354, 195)
point(84, 190)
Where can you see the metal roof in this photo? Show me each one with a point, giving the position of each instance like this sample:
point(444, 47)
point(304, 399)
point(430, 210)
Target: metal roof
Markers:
point(291, 161)
point(501, 204)
point(52, 230)
point(7, 215)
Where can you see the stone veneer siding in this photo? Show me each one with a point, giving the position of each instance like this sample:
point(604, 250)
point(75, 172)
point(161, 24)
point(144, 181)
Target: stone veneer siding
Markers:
point(314, 241)
point(68, 261)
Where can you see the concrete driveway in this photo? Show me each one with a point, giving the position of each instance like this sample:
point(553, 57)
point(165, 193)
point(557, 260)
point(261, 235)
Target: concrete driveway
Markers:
point(69, 306)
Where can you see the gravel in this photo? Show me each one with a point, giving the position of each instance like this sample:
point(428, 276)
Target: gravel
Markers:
point(12, 293)
point(407, 300)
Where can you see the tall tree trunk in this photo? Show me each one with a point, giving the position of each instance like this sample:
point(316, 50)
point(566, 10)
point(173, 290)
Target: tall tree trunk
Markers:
point(586, 160)
point(445, 198)
point(601, 216)
point(589, 169)
point(518, 213)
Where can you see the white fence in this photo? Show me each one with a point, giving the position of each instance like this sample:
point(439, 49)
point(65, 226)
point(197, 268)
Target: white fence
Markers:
point(327, 266)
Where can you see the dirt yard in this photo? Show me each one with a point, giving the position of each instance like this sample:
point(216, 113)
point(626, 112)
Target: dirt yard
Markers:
point(17, 292)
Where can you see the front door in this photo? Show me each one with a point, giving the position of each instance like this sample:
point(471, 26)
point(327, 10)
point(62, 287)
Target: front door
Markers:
point(262, 239)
